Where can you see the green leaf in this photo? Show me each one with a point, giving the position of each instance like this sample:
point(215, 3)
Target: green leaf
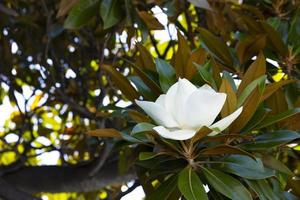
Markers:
point(226, 184)
point(256, 70)
point(146, 78)
point(257, 118)
point(165, 189)
point(245, 167)
point(121, 82)
point(205, 74)
point(81, 13)
point(231, 99)
point(273, 87)
point(105, 132)
point(275, 40)
point(181, 57)
point(278, 117)
point(262, 189)
point(167, 75)
point(147, 155)
point(290, 196)
point(190, 185)
point(270, 140)
point(273, 163)
point(142, 127)
point(294, 31)
point(110, 12)
point(216, 47)
point(142, 88)
point(249, 89)
point(230, 79)
point(225, 149)
point(249, 108)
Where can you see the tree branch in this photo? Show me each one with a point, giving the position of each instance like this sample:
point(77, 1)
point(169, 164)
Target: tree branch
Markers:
point(66, 178)
point(8, 192)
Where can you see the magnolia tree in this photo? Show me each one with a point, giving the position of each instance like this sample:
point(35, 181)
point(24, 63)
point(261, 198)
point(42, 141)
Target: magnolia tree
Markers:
point(188, 99)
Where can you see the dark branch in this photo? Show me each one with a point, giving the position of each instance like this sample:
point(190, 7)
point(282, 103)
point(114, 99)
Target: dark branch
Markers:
point(66, 178)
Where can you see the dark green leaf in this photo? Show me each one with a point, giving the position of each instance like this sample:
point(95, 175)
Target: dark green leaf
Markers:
point(165, 189)
point(262, 189)
point(142, 127)
point(147, 155)
point(143, 88)
point(205, 74)
point(294, 31)
point(278, 117)
point(190, 185)
point(249, 89)
point(273, 163)
point(110, 12)
point(226, 184)
point(167, 75)
point(81, 13)
point(270, 140)
point(258, 116)
point(245, 167)
point(217, 48)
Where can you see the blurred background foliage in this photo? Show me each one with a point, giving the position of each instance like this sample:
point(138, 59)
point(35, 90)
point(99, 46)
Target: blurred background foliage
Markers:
point(62, 74)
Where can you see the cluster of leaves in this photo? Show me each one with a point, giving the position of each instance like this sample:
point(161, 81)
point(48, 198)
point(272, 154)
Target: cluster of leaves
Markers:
point(86, 37)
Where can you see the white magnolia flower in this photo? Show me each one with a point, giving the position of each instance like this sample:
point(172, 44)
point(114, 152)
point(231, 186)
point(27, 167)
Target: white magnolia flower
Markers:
point(185, 109)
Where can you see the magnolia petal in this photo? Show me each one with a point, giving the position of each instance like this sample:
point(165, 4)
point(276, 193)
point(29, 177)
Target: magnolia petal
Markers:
point(184, 90)
point(170, 99)
point(225, 122)
point(161, 100)
point(157, 113)
point(203, 106)
point(207, 87)
point(183, 134)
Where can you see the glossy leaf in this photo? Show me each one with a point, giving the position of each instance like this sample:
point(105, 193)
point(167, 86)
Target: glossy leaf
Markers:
point(203, 70)
point(273, 163)
point(165, 189)
point(278, 117)
point(182, 55)
point(231, 99)
point(257, 118)
point(110, 12)
point(190, 185)
point(263, 189)
point(225, 149)
point(217, 48)
point(147, 155)
point(273, 87)
point(198, 56)
point(167, 75)
point(151, 22)
point(256, 70)
point(204, 131)
point(81, 13)
point(249, 108)
point(226, 184)
point(247, 48)
point(249, 89)
point(105, 132)
point(146, 78)
point(142, 88)
point(122, 83)
point(275, 39)
point(146, 58)
point(245, 167)
point(142, 127)
point(270, 140)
